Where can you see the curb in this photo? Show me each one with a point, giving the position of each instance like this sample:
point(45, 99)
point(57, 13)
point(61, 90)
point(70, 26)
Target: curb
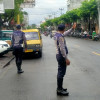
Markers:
point(8, 63)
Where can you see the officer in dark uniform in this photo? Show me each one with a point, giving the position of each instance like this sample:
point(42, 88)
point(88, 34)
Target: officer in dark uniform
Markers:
point(61, 57)
point(18, 38)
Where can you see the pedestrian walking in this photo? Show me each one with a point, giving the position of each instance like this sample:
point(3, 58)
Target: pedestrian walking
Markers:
point(61, 56)
point(18, 38)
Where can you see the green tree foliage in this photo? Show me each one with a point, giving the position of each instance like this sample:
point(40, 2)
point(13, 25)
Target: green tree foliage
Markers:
point(49, 23)
point(29, 27)
point(33, 26)
point(64, 19)
point(72, 15)
point(12, 13)
point(55, 21)
point(43, 25)
point(88, 9)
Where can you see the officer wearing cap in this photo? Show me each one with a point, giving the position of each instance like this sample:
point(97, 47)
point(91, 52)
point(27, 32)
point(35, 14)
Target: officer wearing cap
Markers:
point(18, 38)
point(61, 56)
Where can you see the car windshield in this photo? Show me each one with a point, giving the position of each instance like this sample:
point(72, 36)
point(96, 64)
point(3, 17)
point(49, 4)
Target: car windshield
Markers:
point(31, 35)
point(5, 36)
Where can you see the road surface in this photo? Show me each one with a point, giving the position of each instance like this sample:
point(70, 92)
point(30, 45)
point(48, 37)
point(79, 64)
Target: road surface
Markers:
point(38, 82)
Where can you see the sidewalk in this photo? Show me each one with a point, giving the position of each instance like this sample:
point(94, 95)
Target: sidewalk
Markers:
point(5, 59)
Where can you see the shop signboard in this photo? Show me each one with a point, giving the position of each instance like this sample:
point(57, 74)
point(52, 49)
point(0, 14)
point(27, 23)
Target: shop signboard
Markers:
point(8, 4)
point(28, 4)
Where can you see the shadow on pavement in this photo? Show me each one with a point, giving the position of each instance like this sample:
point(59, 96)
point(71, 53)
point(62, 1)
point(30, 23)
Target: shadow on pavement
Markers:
point(2, 56)
point(31, 56)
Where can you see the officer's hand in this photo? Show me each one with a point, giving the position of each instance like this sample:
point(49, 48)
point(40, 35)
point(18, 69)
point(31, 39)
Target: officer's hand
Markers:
point(74, 26)
point(67, 61)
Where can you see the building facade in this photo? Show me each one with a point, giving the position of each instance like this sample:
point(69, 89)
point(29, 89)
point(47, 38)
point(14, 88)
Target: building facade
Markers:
point(26, 21)
point(73, 4)
point(28, 4)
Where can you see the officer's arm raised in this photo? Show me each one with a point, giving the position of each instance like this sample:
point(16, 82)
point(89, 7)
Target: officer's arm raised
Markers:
point(63, 51)
point(70, 30)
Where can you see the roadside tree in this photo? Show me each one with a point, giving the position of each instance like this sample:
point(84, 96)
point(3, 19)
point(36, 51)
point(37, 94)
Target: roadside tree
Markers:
point(11, 14)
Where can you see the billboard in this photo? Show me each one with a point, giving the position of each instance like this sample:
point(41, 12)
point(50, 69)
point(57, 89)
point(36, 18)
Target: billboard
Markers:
point(8, 4)
point(28, 4)
point(28, 1)
point(1, 7)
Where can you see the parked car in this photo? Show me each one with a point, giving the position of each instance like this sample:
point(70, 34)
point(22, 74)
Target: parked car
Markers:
point(4, 47)
point(34, 41)
point(6, 36)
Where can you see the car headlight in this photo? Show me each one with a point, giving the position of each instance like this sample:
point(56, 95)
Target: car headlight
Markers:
point(6, 45)
point(37, 45)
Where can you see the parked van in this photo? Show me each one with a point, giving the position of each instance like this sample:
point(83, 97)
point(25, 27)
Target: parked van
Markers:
point(6, 35)
point(4, 47)
point(34, 41)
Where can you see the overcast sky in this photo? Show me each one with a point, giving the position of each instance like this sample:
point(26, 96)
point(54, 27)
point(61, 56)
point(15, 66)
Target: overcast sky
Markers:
point(44, 8)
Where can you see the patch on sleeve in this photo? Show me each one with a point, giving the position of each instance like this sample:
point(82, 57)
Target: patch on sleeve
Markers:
point(62, 39)
point(55, 38)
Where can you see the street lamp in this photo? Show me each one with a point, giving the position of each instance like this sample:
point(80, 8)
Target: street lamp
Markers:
point(61, 9)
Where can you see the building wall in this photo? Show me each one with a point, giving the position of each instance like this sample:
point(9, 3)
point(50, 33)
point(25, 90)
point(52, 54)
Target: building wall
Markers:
point(26, 20)
point(73, 4)
point(28, 4)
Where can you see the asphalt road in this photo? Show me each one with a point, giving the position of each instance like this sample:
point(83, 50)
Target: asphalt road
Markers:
point(38, 82)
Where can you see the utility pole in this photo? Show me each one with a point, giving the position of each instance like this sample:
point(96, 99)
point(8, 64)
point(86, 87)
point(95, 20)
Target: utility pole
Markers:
point(18, 16)
point(49, 16)
point(18, 19)
point(54, 14)
point(61, 9)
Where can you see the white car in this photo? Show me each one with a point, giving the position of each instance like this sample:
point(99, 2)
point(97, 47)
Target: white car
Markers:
point(4, 47)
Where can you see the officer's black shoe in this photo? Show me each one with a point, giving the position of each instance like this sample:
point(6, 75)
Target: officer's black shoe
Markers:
point(62, 93)
point(65, 89)
point(20, 71)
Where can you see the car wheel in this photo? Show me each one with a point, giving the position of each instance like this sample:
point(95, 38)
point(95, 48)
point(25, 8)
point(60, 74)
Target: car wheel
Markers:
point(1, 54)
point(40, 53)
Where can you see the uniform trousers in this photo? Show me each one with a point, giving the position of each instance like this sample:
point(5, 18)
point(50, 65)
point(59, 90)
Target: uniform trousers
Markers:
point(18, 52)
point(61, 70)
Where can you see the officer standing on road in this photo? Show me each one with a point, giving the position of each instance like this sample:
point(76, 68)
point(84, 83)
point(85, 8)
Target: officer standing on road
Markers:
point(61, 57)
point(18, 38)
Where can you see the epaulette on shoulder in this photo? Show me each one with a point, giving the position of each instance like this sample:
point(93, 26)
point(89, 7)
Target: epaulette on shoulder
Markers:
point(58, 35)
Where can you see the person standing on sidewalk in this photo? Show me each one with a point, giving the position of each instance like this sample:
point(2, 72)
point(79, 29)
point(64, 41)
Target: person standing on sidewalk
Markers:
point(61, 57)
point(18, 38)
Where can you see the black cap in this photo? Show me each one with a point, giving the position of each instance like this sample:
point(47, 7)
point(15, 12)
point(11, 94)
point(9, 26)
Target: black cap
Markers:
point(61, 27)
point(18, 26)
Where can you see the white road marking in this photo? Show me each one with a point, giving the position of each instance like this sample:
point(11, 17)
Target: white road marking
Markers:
point(77, 46)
